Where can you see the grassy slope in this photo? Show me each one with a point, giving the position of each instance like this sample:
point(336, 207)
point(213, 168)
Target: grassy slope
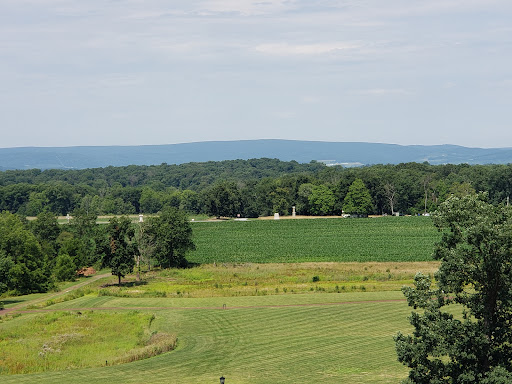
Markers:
point(260, 340)
point(70, 340)
point(269, 241)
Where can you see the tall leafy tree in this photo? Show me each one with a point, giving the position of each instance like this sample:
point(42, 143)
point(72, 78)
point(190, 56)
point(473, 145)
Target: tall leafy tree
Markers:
point(84, 228)
point(358, 199)
point(172, 237)
point(475, 274)
point(145, 238)
point(223, 199)
point(321, 200)
point(47, 229)
point(21, 259)
point(121, 250)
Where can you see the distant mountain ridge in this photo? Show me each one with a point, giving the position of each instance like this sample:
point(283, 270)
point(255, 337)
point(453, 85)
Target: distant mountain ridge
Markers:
point(344, 153)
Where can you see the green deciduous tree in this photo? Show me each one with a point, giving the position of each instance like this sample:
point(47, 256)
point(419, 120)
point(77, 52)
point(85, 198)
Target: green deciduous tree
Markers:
point(223, 199)
point(121, 251)
point(172, 237)
point(65, 268)
point(22, 260)
point(358, 199)
point(321, 200)
point(475, 276)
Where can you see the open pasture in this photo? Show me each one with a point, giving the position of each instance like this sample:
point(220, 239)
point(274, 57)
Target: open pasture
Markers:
point(327, 338)
point(295, 241)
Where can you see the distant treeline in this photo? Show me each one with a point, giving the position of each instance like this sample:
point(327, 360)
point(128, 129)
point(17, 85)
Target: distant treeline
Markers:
point(248, 188)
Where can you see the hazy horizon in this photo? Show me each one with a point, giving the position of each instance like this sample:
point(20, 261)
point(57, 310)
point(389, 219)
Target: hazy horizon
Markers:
point(223, 141)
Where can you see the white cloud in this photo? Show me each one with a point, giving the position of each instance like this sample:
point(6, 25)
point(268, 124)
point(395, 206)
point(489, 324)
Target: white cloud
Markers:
point(383, 91)
point(243, 7)
point(285, 49)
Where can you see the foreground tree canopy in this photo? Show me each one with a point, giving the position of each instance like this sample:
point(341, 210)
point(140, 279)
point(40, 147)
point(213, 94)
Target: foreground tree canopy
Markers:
point(463, 333)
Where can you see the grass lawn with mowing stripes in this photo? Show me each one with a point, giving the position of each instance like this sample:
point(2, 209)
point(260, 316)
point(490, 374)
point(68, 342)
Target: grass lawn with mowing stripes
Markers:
point(327, 338)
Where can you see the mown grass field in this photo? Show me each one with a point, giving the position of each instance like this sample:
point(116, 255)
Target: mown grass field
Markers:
point(329, 338)
point(336, 239)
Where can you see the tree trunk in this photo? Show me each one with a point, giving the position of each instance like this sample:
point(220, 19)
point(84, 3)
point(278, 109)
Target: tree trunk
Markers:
point(138, 268)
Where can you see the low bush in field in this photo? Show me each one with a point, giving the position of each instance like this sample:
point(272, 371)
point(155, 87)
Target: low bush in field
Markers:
point(69, 340)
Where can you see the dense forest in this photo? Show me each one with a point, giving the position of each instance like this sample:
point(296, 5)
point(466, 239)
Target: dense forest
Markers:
point(248, 188)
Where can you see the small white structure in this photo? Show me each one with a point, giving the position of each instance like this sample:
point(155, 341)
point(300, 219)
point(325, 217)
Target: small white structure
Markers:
point(276, 216)
point(141, 218)
point(293, 212)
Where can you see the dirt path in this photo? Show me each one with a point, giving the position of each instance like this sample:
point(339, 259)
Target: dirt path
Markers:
point(19, 307)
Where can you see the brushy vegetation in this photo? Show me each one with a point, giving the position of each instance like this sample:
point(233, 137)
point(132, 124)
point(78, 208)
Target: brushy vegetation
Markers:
point(71, 340)
point(294, 241)
point(250, 279)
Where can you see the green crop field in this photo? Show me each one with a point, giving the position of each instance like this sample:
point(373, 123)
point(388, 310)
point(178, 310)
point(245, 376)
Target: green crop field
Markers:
point(337, 239)
point(327, 338)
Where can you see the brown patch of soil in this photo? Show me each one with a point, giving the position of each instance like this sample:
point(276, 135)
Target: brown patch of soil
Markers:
point(89, 271)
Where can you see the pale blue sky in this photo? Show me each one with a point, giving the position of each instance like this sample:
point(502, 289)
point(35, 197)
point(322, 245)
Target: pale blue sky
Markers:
point(98, 72)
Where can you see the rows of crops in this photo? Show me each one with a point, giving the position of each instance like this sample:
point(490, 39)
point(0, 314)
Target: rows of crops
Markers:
point(275, 241)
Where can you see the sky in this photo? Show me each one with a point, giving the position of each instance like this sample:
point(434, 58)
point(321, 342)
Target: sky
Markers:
point(139, 72)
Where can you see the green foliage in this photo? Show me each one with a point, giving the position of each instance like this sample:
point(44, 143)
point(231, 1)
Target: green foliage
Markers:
point(21, 258)
point(88, 238)
point(6, 265)
point(172, 237)
point(475, 274)
point(65, 268)
point(321, 201)
point(223, 199)
point(121, 251)
point(252, 188)
point(358, 199)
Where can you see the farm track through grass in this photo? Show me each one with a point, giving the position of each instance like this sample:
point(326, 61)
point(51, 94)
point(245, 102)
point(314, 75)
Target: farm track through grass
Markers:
point(333, 239)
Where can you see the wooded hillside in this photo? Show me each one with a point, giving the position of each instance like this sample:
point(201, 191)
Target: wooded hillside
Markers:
point(247, 187)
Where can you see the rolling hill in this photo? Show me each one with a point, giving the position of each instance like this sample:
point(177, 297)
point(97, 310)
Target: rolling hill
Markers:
point(344, 153)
